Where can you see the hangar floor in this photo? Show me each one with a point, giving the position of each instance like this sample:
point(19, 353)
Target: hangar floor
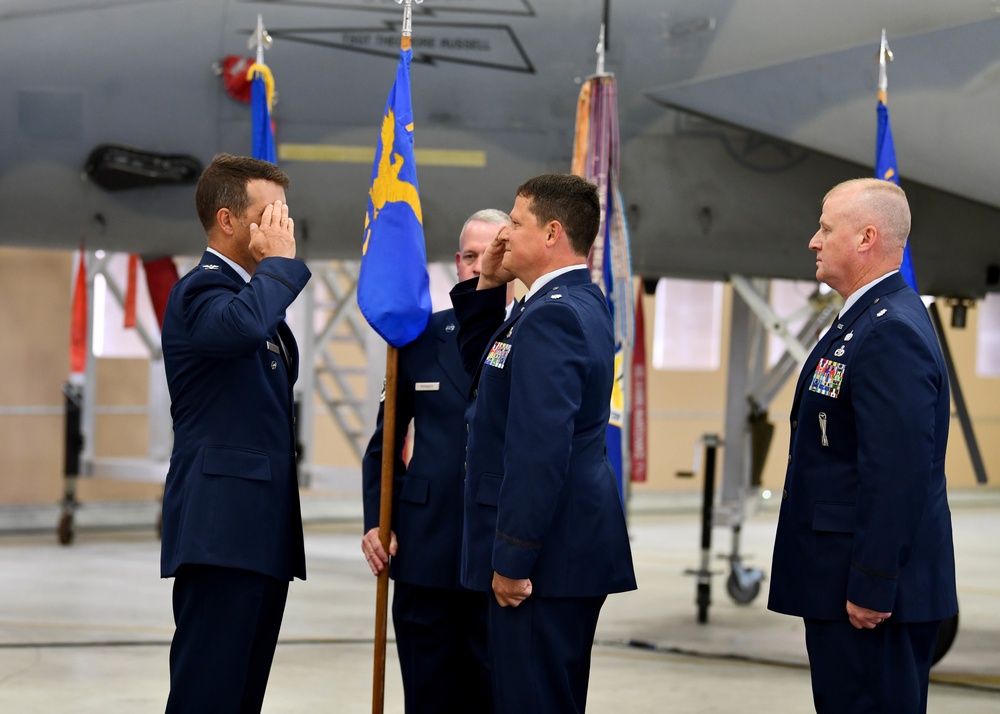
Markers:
point(86, 628)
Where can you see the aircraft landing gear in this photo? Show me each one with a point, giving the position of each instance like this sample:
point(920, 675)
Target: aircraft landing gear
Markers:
point(64, 531)
point(73, 440)
point(703, 592)
point(743, 584)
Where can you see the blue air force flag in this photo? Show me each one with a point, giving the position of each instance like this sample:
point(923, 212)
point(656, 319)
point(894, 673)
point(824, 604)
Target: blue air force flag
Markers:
point(261, 92)
point(885, 168)
point(393, 287)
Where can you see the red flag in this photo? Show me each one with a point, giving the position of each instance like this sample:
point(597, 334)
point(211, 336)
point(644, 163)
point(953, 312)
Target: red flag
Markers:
point(637, 417)
point(78, 325)
point(133, 269)
point(161, 274)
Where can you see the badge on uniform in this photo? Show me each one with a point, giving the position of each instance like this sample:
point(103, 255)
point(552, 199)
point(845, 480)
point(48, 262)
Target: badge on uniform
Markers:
point(827, 378)
point(498, 354)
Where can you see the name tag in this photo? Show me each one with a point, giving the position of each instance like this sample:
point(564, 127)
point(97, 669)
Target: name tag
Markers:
point(827, 378)
point(427, 386)
point(273, 347)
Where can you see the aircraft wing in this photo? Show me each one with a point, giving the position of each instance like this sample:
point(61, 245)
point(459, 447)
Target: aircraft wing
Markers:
point(495, 84)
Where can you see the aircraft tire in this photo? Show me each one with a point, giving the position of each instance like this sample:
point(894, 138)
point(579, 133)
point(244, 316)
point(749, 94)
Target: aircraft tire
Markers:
point(65, 529)
point(741, 595)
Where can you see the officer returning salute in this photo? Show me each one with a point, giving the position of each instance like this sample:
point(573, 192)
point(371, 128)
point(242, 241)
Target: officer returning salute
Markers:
point(863, 550)
point(544, 525)
point(440, 626)
point(232, 528)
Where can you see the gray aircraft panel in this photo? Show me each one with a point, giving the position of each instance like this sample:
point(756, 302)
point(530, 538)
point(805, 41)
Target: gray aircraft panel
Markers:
point(500, 79)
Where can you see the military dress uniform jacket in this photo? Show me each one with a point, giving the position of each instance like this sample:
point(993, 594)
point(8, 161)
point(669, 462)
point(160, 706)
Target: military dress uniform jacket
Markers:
point(432, 390)
point(231, 497)
point(541, 500)
point(864, 514)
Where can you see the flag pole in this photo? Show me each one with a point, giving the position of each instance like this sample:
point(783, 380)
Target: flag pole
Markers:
point(388, 465)
point(385, 524)
point(261, 39)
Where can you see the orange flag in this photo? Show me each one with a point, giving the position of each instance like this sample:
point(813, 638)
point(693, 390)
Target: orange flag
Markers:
point(133, 269)
point(78, 327)
point(637, 417)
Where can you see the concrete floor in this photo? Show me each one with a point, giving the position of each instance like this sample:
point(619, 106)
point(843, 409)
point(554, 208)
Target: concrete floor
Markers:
point(86, 628)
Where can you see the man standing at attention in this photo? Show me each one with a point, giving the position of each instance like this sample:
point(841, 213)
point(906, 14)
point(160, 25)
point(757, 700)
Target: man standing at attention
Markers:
point(863, 550)
point(440, 626)
point(544, 526)
point(232, 528)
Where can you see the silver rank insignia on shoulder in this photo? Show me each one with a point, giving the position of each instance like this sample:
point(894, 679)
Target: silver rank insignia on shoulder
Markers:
point(509, 333)
point(839, 352)
point(848, 336)
point(556, 296)
point(210, 267)
point(881, 312)
point(450, 327)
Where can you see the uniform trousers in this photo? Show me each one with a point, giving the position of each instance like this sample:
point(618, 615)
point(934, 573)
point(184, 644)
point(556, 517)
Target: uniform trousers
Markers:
point(879, 671)
point(441, 641)
point(227, 624)
point(540, 654)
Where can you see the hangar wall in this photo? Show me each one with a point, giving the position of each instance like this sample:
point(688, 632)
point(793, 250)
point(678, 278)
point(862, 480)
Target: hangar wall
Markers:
point(35, 320)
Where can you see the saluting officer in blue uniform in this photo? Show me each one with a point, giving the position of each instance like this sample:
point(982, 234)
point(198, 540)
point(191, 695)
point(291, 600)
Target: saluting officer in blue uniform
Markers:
point(440, 626)
point(232, 528)
point(544, 525)
point(863, 550)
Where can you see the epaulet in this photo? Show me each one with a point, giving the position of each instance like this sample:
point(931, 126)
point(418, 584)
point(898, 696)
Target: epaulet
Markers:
point(878, 311)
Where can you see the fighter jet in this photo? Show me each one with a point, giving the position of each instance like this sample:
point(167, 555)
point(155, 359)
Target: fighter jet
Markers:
point(735, 117)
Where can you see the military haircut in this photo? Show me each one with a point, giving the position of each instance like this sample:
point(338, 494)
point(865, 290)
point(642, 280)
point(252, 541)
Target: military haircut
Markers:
point(223, 184)
point(883, 204)
point(490, 216)
point(568, 199)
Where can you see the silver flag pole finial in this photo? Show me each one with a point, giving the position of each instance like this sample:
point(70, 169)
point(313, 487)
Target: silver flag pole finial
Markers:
point(260, 39)
point(884, 57)
point(408, 15)
point(600, 52)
